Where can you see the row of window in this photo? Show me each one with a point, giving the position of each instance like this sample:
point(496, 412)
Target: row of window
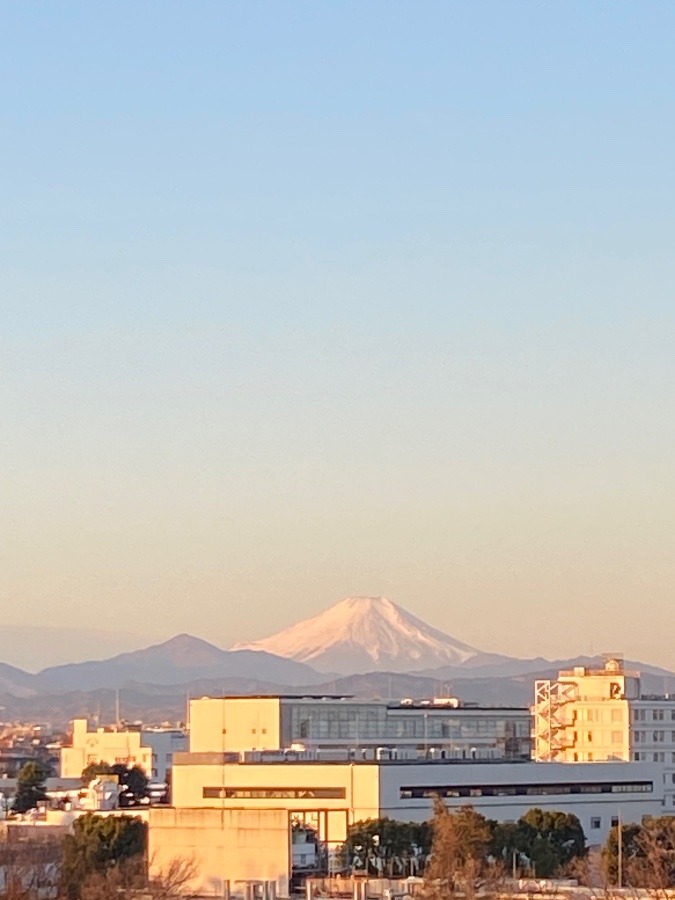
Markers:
point(319, 721)
point(658, 756)
point(655, 737)
point(596, 822)
point(253, 731)
point(601, 737)
point(517, 790)
point(600, 715)
point(653, 715)
point(266, 793)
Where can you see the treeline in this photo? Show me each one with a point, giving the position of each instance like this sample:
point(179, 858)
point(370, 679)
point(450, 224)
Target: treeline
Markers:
point(542, 843)
point(462, 851)
point(32, 784)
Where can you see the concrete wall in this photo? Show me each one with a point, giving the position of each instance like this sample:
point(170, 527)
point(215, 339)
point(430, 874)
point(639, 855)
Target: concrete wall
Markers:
point(220, 724)
point(234, 844)
point(342, 792)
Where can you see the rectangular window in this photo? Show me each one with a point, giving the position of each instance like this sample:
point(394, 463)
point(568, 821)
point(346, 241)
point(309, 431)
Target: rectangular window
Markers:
point(412, 792)
point(595, 823)
point(617, 737)
point(615, 821)
point(268, 793)
point(617, 715)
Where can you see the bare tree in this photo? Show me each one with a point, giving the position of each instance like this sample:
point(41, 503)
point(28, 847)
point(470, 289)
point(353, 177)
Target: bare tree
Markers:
point(653, 866)
point(174, 880)
point(128, 880)
point(459, 851)
point(28, 869)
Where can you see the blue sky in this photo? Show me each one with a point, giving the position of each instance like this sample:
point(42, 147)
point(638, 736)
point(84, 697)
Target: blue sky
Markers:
point(308, 300)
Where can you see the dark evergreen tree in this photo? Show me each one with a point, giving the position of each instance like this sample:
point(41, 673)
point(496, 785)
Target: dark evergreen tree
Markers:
point(31, 786)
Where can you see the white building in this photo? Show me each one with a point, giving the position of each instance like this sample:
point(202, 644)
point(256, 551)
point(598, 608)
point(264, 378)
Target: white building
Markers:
point(595, 715)
point(151, 749)
point(227, 767)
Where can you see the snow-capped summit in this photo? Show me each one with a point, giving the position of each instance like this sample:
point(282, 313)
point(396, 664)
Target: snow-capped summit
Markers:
point(363, 634)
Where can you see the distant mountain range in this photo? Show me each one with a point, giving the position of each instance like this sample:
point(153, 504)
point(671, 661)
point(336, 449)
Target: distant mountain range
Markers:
point(181, 660)
point(365, 647)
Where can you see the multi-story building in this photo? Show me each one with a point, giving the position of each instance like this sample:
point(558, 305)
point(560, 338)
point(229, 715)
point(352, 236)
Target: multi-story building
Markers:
point(596, 715)
point(152, 749)
point(306, 755)
point(325, 723)
point(333, 794)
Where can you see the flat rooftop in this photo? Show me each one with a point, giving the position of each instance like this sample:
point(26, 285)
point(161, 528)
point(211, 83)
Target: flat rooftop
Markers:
point(436, 703)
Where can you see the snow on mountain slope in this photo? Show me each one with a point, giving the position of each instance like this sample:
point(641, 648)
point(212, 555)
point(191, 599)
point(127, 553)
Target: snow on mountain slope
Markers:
point(362, 634)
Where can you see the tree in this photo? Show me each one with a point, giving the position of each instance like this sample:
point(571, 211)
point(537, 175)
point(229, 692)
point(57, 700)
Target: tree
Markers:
point(134, 779)
point(630, 851)
point(31, 786)
point(93, 770)
point(97, 844)
point(128, 880)
point(461, 841)
point(28, 868)
point(547, 839)
point(654, 865)
point(647, 854)
point(386, 845)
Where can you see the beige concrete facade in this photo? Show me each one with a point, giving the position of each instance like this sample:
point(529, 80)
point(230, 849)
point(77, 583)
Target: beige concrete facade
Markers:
point(337, 794)
point(103, 746)
point(246, 724)
point(235, 724)
point(222, 844)
point(152, 749)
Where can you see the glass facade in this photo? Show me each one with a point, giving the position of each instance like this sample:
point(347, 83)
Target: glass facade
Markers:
point(374, 723)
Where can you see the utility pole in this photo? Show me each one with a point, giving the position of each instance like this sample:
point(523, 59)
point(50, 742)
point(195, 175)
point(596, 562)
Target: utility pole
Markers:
point(619, 850)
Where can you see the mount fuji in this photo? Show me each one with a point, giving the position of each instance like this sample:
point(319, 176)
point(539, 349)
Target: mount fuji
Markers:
point(364, 634)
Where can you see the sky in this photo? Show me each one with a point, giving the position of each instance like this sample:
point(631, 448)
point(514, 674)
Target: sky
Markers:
point(301, 301)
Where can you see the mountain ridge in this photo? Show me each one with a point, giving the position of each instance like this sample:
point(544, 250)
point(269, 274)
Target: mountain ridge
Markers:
point(358, 634)
point(181, 659)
